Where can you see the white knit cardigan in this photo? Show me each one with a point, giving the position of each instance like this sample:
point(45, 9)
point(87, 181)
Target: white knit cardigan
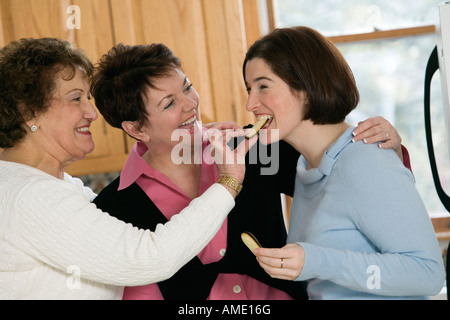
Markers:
point(55, 243)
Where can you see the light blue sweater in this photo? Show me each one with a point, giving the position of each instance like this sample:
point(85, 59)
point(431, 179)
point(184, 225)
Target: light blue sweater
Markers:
point(363, 226)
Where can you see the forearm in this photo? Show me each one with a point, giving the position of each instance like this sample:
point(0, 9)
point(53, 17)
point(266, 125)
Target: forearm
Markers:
point(390, 274)
point(109, 251)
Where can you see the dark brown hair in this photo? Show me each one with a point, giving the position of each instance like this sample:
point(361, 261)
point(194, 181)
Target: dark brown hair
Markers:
point(121, 79)
point(28, 72)
point(306, 60)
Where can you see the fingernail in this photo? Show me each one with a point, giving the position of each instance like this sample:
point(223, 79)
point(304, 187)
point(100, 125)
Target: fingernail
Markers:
point(365, 141)
point(354, 133)
point(353, 140)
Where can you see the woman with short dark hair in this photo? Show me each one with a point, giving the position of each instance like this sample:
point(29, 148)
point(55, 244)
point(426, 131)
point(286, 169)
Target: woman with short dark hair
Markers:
point(358, 227)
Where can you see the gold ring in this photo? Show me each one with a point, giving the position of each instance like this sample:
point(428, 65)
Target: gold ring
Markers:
point(281, 263)
point(387, 135)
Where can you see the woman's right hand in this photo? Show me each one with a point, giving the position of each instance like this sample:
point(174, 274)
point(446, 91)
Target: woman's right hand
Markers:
point(284, 263)
point(229, 162)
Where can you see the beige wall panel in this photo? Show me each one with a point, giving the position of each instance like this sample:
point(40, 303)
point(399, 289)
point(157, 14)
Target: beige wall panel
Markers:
point(126, 21)
point(2, 37)
point(219, 59)
point(226, 54)
point(237, 49)
point(34, 18)
point(252, 22)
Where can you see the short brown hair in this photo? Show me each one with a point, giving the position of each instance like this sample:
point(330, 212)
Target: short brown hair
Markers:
point(306, 60)
point(28, 72)
point(122, 77)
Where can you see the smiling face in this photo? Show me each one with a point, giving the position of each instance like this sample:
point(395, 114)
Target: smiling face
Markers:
point(64, 129)
point(173, 104)
point(269, 96)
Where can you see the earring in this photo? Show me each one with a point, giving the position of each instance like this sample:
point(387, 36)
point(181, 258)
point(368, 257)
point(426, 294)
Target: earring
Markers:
point(34, 128)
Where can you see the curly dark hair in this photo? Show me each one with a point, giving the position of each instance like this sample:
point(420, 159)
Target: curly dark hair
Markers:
point(28, 72)
point(122, 77)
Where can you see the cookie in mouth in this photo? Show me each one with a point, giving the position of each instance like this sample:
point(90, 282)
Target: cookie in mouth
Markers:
point(257, 127)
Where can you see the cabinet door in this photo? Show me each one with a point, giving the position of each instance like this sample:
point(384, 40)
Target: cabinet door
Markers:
point(226, 54)
point(48, 18)
point(32, 18)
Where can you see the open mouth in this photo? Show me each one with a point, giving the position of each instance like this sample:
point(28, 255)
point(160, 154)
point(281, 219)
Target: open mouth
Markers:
point(83, 130)
point(188, 124)
point(261, 123)
point(263, 118)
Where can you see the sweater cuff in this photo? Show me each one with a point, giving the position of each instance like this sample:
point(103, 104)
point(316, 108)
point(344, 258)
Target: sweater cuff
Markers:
point(219, 194)
point(315, 259)
point(310, 265)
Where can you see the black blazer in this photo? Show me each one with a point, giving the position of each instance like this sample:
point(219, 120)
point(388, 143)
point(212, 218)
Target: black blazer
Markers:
point(258, 210)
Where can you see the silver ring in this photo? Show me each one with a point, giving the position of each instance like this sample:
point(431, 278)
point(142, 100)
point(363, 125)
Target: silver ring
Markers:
point(281, 263)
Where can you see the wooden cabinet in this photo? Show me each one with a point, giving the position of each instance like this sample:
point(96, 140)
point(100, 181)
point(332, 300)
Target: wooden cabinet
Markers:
point(441, 227)
point(208, 35)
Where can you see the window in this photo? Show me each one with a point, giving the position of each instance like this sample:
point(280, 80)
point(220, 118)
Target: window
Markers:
point(387, 44)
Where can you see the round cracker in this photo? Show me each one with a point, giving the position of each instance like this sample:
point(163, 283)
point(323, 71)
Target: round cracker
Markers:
point(250, 241)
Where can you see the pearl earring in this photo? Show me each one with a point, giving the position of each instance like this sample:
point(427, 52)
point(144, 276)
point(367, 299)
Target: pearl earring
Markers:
point(34, 128)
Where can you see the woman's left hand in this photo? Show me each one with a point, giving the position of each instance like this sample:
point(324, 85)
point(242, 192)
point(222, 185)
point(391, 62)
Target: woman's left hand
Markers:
point(378, 129)
point(285, 263)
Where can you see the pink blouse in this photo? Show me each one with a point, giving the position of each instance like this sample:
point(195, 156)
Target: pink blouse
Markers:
point(171, 200)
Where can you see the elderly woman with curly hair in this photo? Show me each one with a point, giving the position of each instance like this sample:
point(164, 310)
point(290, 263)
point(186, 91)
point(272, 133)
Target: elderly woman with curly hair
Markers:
point(54, 242)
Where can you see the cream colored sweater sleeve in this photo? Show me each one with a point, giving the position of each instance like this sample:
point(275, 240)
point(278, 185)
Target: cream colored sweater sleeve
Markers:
point(55, 222)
